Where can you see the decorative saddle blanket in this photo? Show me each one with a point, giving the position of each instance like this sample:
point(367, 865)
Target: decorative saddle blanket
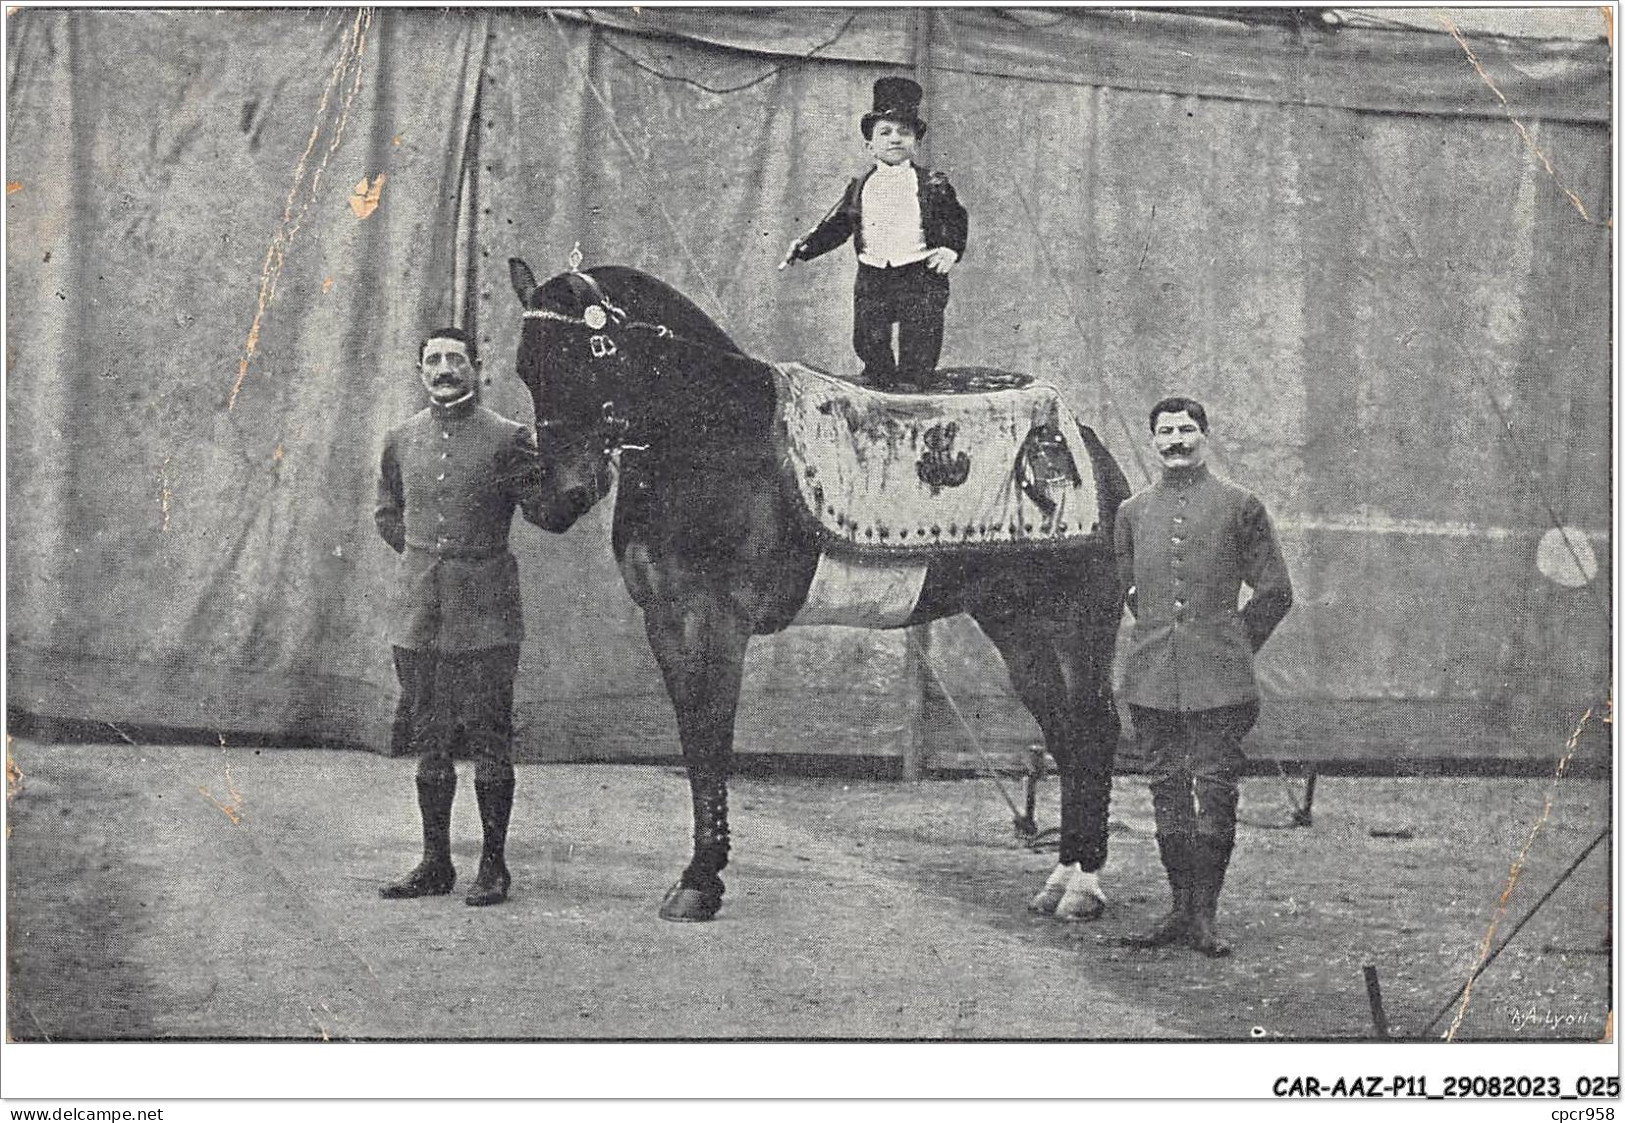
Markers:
point(900, 474)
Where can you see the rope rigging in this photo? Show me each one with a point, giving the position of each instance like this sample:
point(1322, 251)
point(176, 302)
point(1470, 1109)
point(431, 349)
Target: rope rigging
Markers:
point(722, 90)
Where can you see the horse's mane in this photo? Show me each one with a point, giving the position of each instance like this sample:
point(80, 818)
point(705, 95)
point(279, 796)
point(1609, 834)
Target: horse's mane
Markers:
point(652, 300)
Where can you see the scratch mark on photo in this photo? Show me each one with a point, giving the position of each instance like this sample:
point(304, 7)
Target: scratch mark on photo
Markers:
point(349, 62)
point(231, 807)
point(14, 774)
point(1528, 140)
point(163, 497)
point(1518, 863)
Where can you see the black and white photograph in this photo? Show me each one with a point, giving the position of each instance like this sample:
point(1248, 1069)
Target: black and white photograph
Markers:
point(557, 530)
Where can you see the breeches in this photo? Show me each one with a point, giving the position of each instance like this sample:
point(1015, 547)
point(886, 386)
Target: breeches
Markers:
point(471, 691)
point(1195, 760)
point(915, 299)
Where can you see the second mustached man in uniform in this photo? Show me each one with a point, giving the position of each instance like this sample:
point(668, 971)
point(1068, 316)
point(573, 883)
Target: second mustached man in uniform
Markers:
point(909, 230)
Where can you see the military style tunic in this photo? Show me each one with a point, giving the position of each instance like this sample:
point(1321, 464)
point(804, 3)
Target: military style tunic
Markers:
point(1185, 547)
point(448, 482)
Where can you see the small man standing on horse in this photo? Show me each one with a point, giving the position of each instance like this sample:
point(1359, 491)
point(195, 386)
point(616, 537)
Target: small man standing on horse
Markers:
point(1185, 546)
point(449, 480)
point(909, 230)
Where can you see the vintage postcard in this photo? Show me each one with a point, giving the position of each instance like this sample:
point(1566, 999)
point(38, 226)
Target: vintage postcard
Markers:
point(1052, 532)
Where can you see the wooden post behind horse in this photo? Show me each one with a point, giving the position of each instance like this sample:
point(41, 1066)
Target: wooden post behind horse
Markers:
point(714, 548)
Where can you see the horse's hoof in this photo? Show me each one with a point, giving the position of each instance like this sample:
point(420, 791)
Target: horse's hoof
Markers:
point(683, 904)
point(1080, 907)
point(1171, 929)
point(1044, 904)
point(1202, 939)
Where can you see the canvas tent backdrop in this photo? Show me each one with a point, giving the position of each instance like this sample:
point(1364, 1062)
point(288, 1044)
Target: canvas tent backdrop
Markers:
point(228, 231)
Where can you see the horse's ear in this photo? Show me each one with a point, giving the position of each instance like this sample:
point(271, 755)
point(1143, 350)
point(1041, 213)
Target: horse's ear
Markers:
point(524, 281)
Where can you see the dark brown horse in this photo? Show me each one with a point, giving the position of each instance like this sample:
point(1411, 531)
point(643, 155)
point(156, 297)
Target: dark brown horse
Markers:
point(714, 546)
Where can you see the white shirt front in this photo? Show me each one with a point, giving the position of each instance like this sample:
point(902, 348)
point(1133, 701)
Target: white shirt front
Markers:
point(892, 231)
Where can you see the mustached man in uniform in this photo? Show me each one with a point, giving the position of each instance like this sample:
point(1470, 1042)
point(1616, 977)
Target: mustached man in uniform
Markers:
point(1185, 546)
point(448, 482)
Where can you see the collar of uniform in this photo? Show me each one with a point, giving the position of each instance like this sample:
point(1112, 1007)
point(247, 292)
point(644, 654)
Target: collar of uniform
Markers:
point(894, 171)
point(1181, 478)
point(462, 407)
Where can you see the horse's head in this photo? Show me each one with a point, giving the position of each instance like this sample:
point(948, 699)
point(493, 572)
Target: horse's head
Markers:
point(591, 346)
point(569, 362)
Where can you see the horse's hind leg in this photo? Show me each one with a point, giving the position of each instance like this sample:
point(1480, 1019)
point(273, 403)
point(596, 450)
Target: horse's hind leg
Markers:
point(700, 646)
point(1061, 670)
point(1093, 726)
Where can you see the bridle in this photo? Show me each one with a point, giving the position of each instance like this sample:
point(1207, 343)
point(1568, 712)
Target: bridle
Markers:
point(612, 428)
point(597, 318)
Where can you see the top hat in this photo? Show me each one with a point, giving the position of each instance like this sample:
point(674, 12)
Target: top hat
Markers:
point(896, 99)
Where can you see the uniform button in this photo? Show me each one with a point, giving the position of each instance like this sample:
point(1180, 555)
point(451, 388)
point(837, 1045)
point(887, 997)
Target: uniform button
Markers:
point(1177, 539)
point(445, 436)
point(1179, 603)
point(441, 476)
point(1179, 518)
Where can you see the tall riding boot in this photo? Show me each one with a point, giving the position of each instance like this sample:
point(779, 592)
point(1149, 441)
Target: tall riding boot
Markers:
point(1211, 860)
point(1174, 927)
point(434, 875)
point(495, 795)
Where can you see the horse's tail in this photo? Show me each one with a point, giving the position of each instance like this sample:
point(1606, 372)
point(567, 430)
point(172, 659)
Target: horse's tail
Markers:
point(1111, 485)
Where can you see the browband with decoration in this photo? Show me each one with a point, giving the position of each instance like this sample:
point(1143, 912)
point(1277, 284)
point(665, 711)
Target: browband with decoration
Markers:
point(592, 283)
point(595, 317)
point(549, 314)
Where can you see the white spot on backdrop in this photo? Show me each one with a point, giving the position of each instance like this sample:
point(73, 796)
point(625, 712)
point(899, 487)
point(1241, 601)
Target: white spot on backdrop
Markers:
point(1565, 557)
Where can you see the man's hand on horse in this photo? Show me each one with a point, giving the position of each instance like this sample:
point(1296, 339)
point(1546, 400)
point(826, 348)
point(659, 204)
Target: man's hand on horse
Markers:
point(941, 259)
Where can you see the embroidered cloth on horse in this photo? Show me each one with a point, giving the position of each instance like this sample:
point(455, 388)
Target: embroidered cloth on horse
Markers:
point(896, 474)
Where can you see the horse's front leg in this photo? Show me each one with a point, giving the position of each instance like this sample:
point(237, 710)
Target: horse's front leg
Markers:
point(699, 643)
